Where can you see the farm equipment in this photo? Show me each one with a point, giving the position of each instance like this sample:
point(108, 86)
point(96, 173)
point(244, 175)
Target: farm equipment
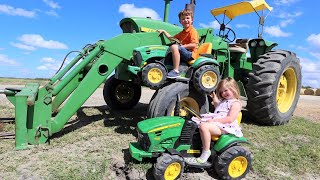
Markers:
point(270, 79)
point(171, 139)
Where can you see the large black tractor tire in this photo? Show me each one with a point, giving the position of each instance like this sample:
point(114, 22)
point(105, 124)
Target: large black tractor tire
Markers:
point(206, 78)
point(164, 100)
point(120, 94)
point(168, 167)
point(154, 75)
point(274, 87)
point(233, 163)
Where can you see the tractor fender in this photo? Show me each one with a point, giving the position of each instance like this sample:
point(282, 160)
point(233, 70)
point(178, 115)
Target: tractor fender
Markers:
point(162, 64)
point(204, 60)
point(227, 140)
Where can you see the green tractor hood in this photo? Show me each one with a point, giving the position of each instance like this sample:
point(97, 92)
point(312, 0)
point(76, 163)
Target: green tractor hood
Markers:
point(137, 24)
point(160, 124)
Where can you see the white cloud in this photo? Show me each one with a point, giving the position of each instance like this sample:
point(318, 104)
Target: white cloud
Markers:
point(314, 39)
point(49, 66)
point(285, 2)
point(5, 60)
point(285, 23)
point(52, 4)
point(42, 68)
point(212, 24)
point(37, 40)
point(316, 55)
point(285, 15)
point(129, 10)
point(242, 26)
point(9, 10)
point(23, 46)
point(276, 31)
point(310, 72)
point(52, 13)
point(48, 60)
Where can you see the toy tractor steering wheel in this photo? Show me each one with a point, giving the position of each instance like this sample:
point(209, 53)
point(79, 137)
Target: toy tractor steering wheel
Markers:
point(227, 34)
point(174, 40)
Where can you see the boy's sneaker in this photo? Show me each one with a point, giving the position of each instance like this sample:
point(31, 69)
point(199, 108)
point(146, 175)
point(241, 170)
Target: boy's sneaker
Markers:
point(173, 74)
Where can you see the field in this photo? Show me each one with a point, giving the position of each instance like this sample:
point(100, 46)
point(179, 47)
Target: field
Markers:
point(94, 145)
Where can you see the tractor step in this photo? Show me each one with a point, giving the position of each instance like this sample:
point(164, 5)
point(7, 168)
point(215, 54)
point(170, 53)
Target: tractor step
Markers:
point(198, 165)
point(179, 79)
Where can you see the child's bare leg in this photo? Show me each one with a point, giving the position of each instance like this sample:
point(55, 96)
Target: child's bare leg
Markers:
point(206, 130)
point(175, 57)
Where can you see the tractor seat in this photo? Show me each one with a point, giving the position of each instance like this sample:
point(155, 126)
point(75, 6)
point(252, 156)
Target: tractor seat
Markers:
point(240, 46)
point(216, 138)
point(204, 50)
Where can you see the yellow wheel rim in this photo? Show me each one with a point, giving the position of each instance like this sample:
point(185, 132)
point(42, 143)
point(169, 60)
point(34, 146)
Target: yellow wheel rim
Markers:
point(209, 79)
point(286, 90)
point(172, 171)
point(238, 166)
point(155, 75)
point(187, 101)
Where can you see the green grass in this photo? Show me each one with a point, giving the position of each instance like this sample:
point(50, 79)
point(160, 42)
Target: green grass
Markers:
point(287, 151)
point(22, 81)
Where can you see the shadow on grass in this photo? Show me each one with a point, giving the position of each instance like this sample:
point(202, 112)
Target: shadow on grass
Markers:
point(125, 121)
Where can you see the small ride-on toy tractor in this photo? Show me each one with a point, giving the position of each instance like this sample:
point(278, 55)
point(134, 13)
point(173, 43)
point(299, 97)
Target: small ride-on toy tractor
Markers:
point(156, 62)
point(172, 138)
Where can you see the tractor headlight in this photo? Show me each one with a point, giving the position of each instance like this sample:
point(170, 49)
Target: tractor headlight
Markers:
point(143, 141)
point(137, 58)
point(253, 44)
point(261, 43)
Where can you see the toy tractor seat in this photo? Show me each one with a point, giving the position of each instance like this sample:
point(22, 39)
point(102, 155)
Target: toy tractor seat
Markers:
point(203, 50)
point(240, 46)
point(239, 118)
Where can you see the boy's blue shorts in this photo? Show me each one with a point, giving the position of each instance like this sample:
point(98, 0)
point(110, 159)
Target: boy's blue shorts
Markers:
point(185, 55)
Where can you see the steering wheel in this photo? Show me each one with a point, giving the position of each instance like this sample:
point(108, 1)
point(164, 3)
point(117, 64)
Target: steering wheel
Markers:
point(226, 35)
point(174, 40)
point(193, 112)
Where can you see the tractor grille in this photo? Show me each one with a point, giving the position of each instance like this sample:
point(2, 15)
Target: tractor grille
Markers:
point(137, 58)
point(187, 133)
point(143, 141)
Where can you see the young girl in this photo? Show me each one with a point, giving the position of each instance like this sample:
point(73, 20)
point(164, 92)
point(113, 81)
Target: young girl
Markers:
point(224, 119)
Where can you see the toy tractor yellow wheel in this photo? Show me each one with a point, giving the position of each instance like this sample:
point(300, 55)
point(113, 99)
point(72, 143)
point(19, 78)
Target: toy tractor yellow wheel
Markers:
point(168, 167)
point(164, 100)
point(120, 94)
point(154, 75)
point(274, 87)
point(233, 163)
point(206, 78)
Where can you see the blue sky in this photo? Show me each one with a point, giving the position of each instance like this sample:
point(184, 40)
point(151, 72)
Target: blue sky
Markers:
point(35, 35)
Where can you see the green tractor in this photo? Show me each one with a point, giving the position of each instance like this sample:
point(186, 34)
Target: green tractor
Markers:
point(171, 139)
point(270, 80)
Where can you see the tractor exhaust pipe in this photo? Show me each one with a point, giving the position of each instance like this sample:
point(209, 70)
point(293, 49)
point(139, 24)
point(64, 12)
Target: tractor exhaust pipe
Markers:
point(191, 6)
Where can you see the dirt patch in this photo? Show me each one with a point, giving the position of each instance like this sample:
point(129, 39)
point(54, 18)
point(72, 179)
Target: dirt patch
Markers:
point(309, 108)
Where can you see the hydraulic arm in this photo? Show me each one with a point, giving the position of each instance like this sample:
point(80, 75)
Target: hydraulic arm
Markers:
point(73, 85)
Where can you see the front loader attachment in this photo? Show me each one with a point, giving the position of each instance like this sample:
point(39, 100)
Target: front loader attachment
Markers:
point(39, 112)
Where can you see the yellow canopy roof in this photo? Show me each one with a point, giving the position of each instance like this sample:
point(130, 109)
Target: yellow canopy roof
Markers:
point(241, 8)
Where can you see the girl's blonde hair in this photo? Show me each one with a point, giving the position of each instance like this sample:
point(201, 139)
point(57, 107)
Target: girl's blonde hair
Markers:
point(231, 84)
